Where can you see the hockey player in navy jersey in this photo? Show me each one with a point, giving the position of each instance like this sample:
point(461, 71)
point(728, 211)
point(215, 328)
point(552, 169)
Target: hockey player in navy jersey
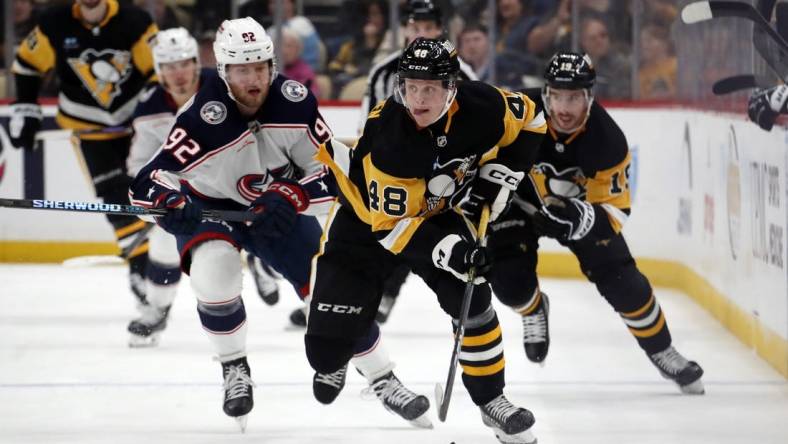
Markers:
point(247, 140)
point(177, 65)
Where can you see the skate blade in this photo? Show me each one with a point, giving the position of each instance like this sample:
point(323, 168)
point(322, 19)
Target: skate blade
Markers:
point(694, 388)
point(524, 437)
point(143, 341)
point(422, 422)
point(241, 420)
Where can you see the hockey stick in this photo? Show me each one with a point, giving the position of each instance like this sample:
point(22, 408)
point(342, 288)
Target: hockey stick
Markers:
point(706, 10)
point(443, 396)
point(737, 83)
point(123, 256)
point(117, 209)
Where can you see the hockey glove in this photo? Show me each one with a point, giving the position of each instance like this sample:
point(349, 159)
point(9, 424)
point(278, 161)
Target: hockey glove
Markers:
point(564, 218)
point(494, 186)
point(24, 124)
point(277, 209)
point(457, 256)
point(766, 104)
point(183, 216)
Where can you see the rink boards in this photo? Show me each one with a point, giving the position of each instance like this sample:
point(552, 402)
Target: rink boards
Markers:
point(709, 214)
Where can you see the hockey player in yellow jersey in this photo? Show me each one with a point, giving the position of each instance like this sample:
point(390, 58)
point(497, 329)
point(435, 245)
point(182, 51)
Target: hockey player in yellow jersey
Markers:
point(435, 144)
point(100, 54)
point(578, 193)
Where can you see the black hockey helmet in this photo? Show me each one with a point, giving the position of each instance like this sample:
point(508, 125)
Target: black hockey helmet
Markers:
point(570, 70)
point(423, 10)
point(429, 59)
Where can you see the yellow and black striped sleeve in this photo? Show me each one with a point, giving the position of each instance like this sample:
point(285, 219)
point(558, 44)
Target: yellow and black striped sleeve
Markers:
point(523, 128)
point(610, 189)
point(35, 55)
point(141, 52)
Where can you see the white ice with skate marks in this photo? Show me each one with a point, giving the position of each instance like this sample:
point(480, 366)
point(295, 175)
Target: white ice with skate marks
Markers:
point(67, 375)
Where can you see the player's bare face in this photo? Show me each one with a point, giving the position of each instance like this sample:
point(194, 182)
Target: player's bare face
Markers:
point(249, 83)
point(568, 108)
point(180, 78)
point(425, 99)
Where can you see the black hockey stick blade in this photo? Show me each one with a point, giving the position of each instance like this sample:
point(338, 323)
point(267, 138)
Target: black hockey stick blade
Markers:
point(768, 42)
point(738, 83)
point(118, 209)
point(443, 397)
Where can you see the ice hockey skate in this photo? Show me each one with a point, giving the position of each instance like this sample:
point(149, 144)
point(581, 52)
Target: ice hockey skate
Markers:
point(398, 399)
point(145, 330)
point(536, 332)
point(511, 424)
point(327, 386)
point(238, 397)
point(264, 279)
point(675, 367)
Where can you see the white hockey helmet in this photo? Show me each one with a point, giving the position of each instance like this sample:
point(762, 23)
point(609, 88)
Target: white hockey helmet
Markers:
point(174, 45)
point(241, 41)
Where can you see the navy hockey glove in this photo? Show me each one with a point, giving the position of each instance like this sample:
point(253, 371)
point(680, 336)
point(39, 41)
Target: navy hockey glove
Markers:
point(456, 255)
point(183, 216)
point(277, 209)
point(766, 104)
point(24, 124)
point(564, 218)
point(494, 186)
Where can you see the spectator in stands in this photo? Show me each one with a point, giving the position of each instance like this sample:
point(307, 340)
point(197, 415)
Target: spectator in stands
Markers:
point(355, 56)
point(613, 80)
point(474, 48)
point(552, 34)
point(25, 16)
point(305, 30)
point(515, 22)
point(165, 14)
point(293, 65)
point(657, 64)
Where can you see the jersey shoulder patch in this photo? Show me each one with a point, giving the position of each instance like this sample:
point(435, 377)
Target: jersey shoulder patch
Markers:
point(288, 102)
point(212, 119)
point(294, 91)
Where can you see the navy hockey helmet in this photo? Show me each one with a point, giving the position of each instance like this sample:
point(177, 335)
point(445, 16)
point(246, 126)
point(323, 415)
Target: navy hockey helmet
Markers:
point(429, 59)
point(424, 10)
point(570, 70)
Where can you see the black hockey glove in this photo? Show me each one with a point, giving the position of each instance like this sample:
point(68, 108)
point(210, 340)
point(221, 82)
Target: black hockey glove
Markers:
point(564, 218)
point(766, 104)
point(24, 124)
point(277, 209)
point(456, 255)
point(183, 216)
point(495, 186)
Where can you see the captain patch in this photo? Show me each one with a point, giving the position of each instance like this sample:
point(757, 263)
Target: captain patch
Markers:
point(294, 91)
point(213, 112)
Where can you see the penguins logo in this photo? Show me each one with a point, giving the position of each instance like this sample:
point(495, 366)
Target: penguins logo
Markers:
point(102, 72)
